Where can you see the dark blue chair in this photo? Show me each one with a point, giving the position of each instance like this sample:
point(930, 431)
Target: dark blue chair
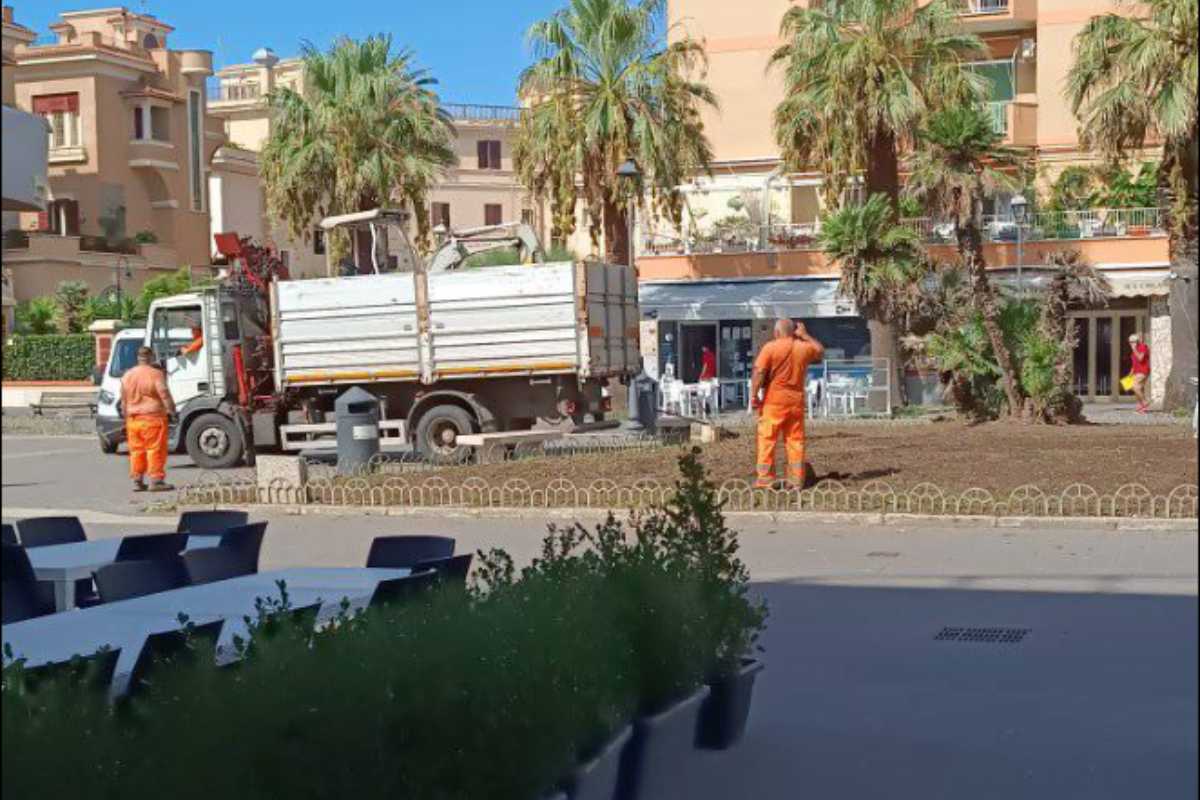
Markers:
point(151, 546)
point(123, 580)
point(245, 541)
point(211, 564)
point(210, 521)
point(46, 531)
point(20, 599)
point(402, 590)
point(167, 647)
point(406, 552)
point(450, 571)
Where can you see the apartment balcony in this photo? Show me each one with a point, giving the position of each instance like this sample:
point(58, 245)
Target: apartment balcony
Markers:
point(998, 15)
point(153, 154)
point(482, 114)
point(1130, 236)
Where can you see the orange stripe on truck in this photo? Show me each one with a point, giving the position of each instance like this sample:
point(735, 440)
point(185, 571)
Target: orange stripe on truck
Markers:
point(323, 377)
point(555, 365)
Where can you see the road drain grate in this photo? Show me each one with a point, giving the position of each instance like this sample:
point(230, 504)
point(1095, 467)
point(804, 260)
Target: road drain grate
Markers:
point(883, 554)
point(984, 635)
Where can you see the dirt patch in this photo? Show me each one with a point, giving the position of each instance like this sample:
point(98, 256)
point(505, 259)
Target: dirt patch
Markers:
point(998, 457)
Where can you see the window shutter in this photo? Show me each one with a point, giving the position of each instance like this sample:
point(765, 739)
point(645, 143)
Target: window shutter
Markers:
point(481, 150)
point(49, 103)
point(494, 154)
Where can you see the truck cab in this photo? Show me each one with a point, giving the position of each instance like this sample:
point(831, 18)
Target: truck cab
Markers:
point(197, 339)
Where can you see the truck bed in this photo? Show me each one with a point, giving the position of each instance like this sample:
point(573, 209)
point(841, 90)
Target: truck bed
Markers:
point(521, 320)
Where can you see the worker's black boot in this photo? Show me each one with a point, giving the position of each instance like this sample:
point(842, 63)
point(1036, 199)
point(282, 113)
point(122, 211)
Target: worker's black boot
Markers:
point(139, 485)
point(160, 486)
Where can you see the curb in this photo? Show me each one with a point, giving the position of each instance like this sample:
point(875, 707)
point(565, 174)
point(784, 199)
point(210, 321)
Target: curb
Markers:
point(813, 517)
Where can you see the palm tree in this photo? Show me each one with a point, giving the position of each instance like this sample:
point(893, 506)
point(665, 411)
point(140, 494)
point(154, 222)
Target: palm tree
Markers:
point(1134, 79)
point(859, 76)
point(958, 163)
point(880, 261)
point(366, 131)
point(607, 87)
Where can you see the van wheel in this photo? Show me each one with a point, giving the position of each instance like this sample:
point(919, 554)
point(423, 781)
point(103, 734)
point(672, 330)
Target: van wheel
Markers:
point(438, 431)
point(214, 442)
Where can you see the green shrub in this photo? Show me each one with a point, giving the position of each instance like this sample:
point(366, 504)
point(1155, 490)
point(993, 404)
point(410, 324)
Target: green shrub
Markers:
point(495, 692)
point(67, 357)
point(71, 298)
point(37, 317)
point(145, 237)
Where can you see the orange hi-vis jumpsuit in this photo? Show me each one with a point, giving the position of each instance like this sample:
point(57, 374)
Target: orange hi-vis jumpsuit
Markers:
point(784, 364)
point(146, 402)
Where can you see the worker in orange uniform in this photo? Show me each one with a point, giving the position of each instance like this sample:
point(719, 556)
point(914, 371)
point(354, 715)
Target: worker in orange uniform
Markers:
point(777, 396)
point(195, 344)
point(147, 406)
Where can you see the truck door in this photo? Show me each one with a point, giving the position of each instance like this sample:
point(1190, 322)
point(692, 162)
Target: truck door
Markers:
point(176, 349)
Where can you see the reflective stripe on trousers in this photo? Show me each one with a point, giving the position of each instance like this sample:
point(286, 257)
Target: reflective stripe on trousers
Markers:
point(774, 423)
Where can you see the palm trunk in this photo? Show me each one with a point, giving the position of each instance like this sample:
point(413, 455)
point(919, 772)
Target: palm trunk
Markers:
point(616, 233)
point(970, 249)
point(1179, 171)
point(883, 177)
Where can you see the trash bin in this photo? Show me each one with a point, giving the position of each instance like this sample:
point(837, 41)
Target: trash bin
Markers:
point(357, 412)
point(643, 403)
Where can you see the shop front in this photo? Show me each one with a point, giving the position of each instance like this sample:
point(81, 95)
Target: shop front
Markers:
point(733, 319)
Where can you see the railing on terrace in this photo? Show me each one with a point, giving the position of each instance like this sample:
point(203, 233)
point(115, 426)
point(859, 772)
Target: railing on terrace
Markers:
point(219, 92)
point(1100, 223)
point(474, 112)
point(1096, 223)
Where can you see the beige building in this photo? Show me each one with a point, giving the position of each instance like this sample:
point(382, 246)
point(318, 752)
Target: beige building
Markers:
point(130, 144)
point(740, 260)
point(481, 189)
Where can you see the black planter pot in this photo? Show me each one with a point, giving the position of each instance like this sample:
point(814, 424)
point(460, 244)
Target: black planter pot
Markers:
point(725, 712)
point(597, 779)
point(661, 749)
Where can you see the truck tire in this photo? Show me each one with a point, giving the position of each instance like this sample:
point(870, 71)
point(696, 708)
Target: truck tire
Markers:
point(437, 432)
point(214, 442)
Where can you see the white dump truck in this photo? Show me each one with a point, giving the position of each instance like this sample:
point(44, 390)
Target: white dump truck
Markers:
point(447, 352)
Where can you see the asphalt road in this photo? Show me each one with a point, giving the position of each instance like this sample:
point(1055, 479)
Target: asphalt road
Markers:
point(859, 700)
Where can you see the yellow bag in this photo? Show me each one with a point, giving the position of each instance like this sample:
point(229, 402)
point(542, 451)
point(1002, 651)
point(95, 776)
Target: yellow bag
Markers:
point(1127, 383)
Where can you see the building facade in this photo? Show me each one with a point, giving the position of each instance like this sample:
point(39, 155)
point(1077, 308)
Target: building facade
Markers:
point(746, 251)
point(481, 189)
point(130, 142)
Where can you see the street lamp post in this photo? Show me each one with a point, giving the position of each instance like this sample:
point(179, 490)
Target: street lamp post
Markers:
point(1020, 207)
point(121, 269)
point(631, 172)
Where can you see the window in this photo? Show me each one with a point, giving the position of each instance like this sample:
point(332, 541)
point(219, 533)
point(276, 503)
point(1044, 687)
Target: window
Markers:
point(160, 124)
point(1000, 79)
point(527, 216)
point(62, 112)
point(195, 148)
point(139, 128)
point(124, 356)
point(439, 214)
point(318, 242)
point(285, 256)
point(229, 322)
point(493, 214)
point(172, 330)
point(489, 153)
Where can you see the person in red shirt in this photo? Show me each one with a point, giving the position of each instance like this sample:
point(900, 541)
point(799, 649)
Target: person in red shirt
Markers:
point(1141, 371)
point(708, 364)
point(777, 394)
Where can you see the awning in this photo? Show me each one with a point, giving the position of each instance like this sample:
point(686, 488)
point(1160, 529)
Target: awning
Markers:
point(749, 299)
point(1150, 281)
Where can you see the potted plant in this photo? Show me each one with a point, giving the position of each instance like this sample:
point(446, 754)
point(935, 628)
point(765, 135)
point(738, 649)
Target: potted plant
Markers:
point(661, 745)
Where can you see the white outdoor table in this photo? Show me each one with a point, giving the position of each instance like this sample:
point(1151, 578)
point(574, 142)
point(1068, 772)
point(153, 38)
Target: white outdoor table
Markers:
point(125, 625)
point(63, 564)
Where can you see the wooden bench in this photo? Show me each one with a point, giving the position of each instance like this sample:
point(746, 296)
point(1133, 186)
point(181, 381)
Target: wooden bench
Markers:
point(492, 447)
point(64, 402)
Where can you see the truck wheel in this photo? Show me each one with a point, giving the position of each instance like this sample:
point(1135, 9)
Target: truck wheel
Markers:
point(438, 431)
point(214, 442)
point(107, 447)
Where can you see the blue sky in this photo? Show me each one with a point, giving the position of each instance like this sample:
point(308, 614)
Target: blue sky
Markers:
point(475, 48)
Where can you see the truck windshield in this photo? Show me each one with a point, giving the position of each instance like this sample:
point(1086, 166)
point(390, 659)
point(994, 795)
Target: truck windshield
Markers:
point(124, 356)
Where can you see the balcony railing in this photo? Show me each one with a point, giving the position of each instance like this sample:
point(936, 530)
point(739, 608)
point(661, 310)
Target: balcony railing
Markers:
point(1044, 226)
point(474, 112)
point(226, 92)
point(1100, 223)
point(984, 6)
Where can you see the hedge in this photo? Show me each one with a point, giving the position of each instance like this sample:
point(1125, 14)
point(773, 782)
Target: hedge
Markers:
point(52, 357)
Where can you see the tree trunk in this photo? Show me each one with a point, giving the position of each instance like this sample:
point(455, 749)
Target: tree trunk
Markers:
point(886, 344)
point(883, 177)
point(970, 247)
point(616, 234)
point(883, 169)
point(1183, 229)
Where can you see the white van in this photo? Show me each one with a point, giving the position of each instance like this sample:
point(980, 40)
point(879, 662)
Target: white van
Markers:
point(110, 427)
